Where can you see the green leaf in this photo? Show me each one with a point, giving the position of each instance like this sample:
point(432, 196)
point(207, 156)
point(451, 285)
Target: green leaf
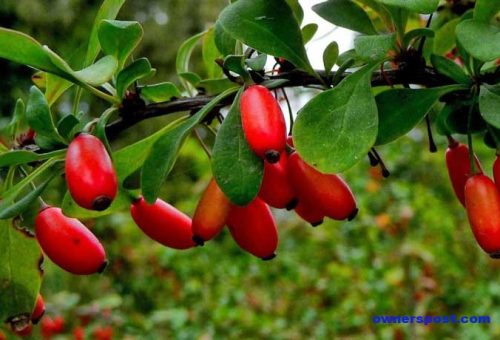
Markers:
point(444, 41)
point(55, 87)
point(213, 87)
point(416, 34)
point(17, 157)
point(448, 68)
point(47, 169)
point(119, 38)
point(485, 10)
point(269, 27)
point(308, 32)
point(374, 47)
point(39, 117)
point(258, 63)
point(98, 73)
point(418, 6)
point(184, 55)
point(160, 92)
point(18, 118)
point(163, 154)
point(298, 12)
point(68, 126)
point(108, 10)
point(191, 77)
point(236, 168)
point(131, 158)
point(400, 110)
point(100, 130)
point(72, 209)
point(225, 43)
point(330, 56)
point(139, 69)
point(337, 127)
point(350, 55)
point(23, 49)
point(20, 273)
point(14, 209)
point(236, 64)
point(479, 39)
point(489, 104)
point(347, 14)
point(210, 53)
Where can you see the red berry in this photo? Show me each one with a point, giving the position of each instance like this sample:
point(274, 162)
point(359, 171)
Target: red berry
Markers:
point(47, 327)
point(58, 324)
point(211, 213)
point(276, 189)
point(482, 201)
point(68, 243)
point(457, 162)
point(289, 141)
point(496, 171)
point(163, 223)
point(39, 310)
point(254, 229)
point(263, 123)
point(90, 175)
point(103, 333)
point(78, 333)
point(329, 192)
point(309, 212)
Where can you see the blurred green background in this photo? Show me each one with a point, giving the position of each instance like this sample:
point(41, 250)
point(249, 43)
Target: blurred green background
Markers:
point(410, 251)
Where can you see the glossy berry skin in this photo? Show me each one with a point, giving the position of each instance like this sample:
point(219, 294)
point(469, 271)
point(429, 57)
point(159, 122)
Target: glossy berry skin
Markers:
point(275, 189)
point(163, 223)
point(496, 171)
point(263, 123)
point(310, 212)
point(90, 175)
point(458, 165)
point(482, 201)
point(211, 213)
point(68, 243)
point(328, 192)
point(39, 310)
point(254, 229)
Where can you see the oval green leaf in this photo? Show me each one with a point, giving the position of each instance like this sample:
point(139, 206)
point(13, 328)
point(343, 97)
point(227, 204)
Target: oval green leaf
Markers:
point(269, 27)
point(347, 14)
point(20, 273)
point(489, 104)
point(236, 168)
point(337, 127)
point(163, 154)
point(479, 39)
point(400, 110)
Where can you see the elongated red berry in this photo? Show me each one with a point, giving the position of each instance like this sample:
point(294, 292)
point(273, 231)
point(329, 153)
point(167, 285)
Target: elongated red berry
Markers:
point(276, 189)
point(163, 223)
point(458, 165)
point(496, 171)
point(90, 175)
point(39, 310)
point(482, 201)
point(254, 229)
point(68, 243)
point(310, 212)
point(211, 213)
point(263, 123)
point(329, 192)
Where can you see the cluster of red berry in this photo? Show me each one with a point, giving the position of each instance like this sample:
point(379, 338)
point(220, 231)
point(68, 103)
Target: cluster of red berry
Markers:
point(478, 194)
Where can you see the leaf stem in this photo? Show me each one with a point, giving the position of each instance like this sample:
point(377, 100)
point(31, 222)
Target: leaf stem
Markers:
point(290, 111)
